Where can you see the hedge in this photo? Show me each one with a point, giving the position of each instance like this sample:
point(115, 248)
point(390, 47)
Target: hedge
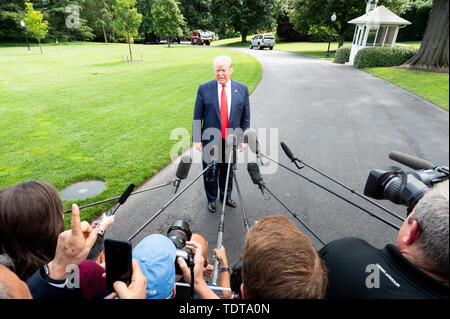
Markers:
point(383, 56)
point(342, 54)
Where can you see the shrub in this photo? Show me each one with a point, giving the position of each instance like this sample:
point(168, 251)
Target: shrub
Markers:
point(383, 56)
point(342, 54)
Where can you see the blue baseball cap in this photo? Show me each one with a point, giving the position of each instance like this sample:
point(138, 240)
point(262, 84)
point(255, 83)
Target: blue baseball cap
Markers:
point(156, 256)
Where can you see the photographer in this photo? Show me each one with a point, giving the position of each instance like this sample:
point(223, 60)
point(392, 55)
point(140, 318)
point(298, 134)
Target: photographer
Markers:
point(416, 267)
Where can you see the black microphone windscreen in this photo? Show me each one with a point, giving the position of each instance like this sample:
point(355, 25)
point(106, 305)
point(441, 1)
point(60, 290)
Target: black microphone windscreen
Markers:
point(125, 194)
point(287, 151)
point(253, 171)
point(183, 167)
point(410, 161)
point(251, 138)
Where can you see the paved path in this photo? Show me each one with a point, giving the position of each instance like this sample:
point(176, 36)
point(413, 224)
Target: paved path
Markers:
point(337, 119)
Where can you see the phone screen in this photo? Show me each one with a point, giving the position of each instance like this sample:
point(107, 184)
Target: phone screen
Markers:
point(118, 262)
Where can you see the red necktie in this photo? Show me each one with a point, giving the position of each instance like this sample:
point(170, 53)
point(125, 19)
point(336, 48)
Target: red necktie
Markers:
point(224, 113)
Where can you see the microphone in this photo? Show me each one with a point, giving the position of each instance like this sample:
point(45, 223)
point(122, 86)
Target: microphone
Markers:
point(410, 161)
point(121, 200)
point(255, 175)
point(251, 138)
point(182, 171)
point(211, 173)
point(287, 151)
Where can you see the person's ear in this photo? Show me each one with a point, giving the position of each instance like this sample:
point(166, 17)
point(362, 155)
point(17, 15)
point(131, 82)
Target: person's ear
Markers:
point(414, 233)
point(243, 292)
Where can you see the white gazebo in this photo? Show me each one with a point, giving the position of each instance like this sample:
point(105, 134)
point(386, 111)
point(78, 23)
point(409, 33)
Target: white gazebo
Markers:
point(378, 27)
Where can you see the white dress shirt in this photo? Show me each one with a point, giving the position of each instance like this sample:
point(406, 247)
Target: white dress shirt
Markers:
point(228, 93)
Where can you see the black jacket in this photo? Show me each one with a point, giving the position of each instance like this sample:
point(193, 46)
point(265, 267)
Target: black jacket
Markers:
point(354, 267)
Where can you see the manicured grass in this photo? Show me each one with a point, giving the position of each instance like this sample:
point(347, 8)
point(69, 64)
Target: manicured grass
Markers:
point(78, 112)
point(431, 86)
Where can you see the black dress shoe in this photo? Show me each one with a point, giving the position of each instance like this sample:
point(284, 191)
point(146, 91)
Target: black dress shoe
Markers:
point(229, 202)
point(212, 207)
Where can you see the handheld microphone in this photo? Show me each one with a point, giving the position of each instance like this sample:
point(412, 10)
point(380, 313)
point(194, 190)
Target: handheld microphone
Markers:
point(410, 161)
point(255, 175)
point(182, 171)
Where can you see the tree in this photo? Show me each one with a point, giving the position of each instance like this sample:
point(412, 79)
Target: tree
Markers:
point(35, 24)
point(127, 20)
point(167, 18)
point(247, 16)
point(197, 13)
point(433, 54)
point(307, 14)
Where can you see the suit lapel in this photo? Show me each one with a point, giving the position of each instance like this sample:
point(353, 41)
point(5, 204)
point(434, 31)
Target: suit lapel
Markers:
point(215, 97)
point(233, 100)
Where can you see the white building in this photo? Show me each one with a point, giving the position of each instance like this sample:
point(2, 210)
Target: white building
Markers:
point(378, 27)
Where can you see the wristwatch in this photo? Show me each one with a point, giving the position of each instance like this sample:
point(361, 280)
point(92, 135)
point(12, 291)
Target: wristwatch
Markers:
point(225, 269)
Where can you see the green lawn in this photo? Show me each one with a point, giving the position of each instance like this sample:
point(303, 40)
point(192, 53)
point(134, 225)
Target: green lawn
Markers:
point(431, 86)
point(78, 112)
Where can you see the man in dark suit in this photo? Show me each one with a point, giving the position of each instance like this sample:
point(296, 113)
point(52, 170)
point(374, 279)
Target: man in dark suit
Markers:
point(222, 105)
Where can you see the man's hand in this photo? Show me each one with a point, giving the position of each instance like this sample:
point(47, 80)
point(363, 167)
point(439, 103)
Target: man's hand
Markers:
point(137, 287)
point(221, 255)
point(73, 246)
point(198, 146)
point(198, 260)
point(243, 147)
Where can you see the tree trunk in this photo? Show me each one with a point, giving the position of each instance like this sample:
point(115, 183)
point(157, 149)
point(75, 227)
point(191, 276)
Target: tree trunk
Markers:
point(341, 38)
point(129, 46)
point(104, 33)
point(168, 41)
point(433, 54)
point(244, 36)
point(40, 47)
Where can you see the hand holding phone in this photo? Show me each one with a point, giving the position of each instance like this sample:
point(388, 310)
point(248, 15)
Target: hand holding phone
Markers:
point(118, 262)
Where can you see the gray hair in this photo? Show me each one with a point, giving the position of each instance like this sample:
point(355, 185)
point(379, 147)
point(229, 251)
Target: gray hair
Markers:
point(222, 59)
point(5, 261)
point(431, 212)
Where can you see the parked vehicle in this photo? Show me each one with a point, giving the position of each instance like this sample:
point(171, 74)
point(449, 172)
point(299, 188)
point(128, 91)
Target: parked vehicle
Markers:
point(201, 37)
point(262, 41)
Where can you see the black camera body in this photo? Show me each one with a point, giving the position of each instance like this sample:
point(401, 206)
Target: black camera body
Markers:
point(402, 188)
point(179, 233)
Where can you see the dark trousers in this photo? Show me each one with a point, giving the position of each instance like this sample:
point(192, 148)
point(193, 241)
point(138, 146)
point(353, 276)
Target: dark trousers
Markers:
point(211, 181)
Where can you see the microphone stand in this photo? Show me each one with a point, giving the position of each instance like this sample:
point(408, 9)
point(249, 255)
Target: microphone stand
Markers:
point(222, 217)
point(335, 194)
point(295, 160)
point(117, 197)
point(292, 213)
point(169, 202)
point(241, 204)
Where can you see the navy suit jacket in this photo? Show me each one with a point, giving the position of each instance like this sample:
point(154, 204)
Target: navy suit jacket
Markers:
point(207, 110)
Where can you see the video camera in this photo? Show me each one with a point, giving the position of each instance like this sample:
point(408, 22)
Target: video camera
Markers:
point(179, 233)
point(404, 188)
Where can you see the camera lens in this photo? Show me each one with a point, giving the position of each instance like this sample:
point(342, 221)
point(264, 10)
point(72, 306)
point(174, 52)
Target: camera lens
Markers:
point(179, 233)
point(393, 189)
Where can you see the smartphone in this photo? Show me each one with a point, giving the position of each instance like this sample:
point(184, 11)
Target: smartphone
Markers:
point(118, 262)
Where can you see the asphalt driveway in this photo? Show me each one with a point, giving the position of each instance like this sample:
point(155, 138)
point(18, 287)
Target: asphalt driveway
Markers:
point(337, 119)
